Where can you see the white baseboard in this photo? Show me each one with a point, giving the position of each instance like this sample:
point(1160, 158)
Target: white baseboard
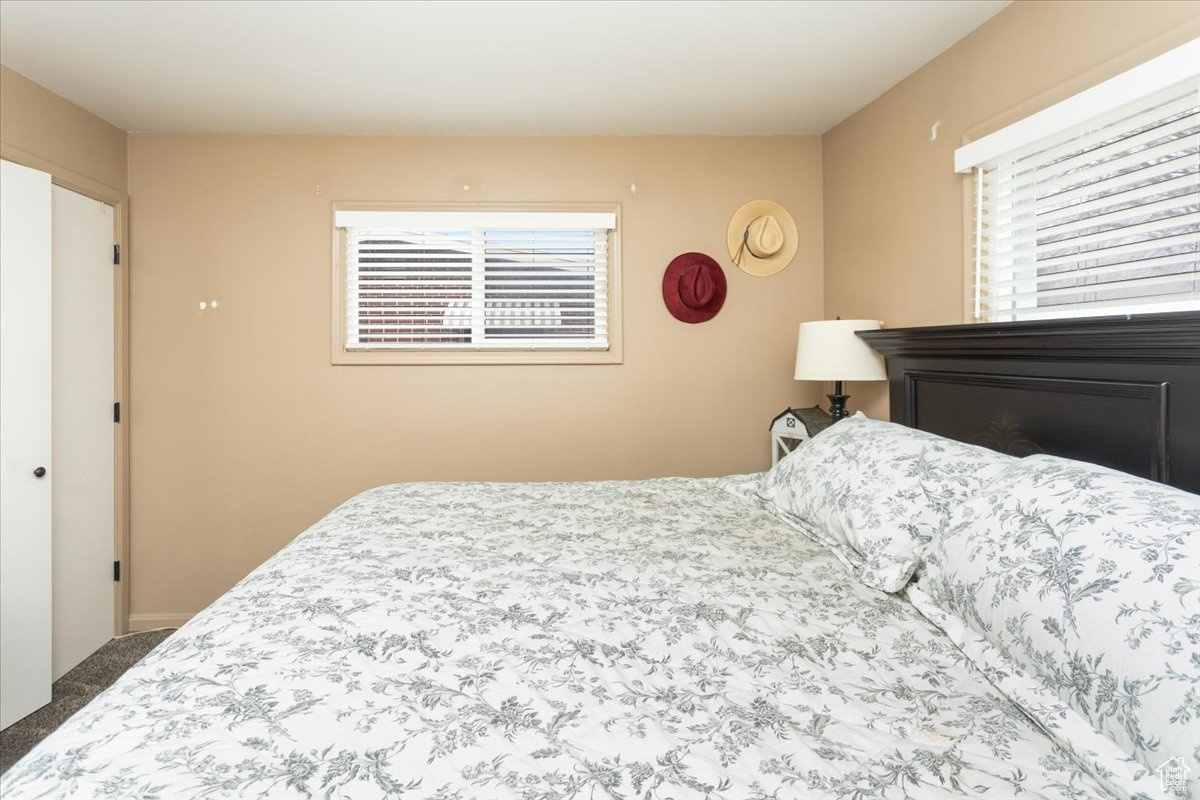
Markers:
point(149, 622)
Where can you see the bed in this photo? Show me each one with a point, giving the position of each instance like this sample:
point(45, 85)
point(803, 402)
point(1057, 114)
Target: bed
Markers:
point(671, 638)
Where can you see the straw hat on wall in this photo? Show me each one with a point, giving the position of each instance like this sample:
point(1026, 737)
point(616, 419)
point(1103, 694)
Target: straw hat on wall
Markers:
point(762, 238)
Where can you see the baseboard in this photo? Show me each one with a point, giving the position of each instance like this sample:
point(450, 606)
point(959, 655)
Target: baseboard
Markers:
point(149, 622)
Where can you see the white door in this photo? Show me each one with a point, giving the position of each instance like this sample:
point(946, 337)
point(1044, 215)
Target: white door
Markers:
point(82, 424)
point(25, 498)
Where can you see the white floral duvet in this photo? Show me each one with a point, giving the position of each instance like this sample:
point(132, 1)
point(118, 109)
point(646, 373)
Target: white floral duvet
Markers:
point(661, 639)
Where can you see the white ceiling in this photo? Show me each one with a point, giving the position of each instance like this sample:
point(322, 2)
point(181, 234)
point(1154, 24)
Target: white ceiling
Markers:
point(491, 68)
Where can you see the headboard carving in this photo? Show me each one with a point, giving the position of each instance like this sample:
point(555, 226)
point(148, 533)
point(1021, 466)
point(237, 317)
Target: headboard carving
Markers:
point(1119, 391)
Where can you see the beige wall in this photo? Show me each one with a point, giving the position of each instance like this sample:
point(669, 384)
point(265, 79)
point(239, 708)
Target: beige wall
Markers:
point(244, 434)
point(893, 205)
point(42, 130)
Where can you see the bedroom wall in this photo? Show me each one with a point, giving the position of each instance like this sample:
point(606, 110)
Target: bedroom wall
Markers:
point(244, 434)
point(894, 224)
point(42, 130)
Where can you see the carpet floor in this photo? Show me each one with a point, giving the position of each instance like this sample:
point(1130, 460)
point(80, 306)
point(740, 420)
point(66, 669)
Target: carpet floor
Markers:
point(74, 690)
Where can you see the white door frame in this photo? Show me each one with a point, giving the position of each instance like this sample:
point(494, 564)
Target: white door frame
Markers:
point(76, 182)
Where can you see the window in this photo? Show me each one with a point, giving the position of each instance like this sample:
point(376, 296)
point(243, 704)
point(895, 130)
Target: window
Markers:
point(457, 286)
point(1092, 206)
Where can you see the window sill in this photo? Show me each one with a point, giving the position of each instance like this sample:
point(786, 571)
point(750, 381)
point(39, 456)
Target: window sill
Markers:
point(475, 357)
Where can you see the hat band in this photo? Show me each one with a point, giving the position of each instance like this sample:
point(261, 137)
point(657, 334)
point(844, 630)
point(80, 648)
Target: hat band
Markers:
point(696, 287)
point(758, 251)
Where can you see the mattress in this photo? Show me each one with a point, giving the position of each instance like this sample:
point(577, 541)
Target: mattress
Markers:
point(653, 639)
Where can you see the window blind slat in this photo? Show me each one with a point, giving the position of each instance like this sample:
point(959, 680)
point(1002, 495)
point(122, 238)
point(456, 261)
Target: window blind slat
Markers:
point(1053, 193)
point(1162, 302)
point(1112, 157)
point(1035, 257)
point(435, 287)
point(562, 272)
point(457, 343)
point(1040, 245)
point(1118, 284)
point(1169, 121)
point(1086, 214)
point(1164, 264)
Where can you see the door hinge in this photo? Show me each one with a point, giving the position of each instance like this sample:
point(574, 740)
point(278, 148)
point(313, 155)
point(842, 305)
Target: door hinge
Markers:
point(116, 570)
point(116, 412)
point(116, 254)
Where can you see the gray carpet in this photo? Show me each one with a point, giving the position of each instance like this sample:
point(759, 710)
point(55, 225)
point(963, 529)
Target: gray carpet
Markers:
point(75, 690)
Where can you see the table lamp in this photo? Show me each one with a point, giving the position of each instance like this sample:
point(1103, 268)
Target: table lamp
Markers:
point(829, 350)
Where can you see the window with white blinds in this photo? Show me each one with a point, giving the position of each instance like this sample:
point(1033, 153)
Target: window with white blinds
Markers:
point(1101, 216)
point(476, 281)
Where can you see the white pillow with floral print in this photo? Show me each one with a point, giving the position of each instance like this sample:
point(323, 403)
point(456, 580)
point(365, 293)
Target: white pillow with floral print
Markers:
point(1086, 580)
point(875, 492)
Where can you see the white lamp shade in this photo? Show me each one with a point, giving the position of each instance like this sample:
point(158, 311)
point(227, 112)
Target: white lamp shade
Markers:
point(829, 351)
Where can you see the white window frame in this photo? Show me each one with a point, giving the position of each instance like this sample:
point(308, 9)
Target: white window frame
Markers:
point(364, 214)
point(1158, 74)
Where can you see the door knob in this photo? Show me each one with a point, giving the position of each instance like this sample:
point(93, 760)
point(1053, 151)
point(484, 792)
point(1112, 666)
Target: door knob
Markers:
point(40, 472)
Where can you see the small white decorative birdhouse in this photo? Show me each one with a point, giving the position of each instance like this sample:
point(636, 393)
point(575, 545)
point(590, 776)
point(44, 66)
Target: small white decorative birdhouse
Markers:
point(792, 427)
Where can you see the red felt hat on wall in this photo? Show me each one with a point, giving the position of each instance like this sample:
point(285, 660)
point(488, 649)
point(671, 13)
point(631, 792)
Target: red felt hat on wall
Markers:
point(693, 287)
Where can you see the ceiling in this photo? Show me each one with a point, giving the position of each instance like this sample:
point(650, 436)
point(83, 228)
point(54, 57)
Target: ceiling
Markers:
point(478, 68)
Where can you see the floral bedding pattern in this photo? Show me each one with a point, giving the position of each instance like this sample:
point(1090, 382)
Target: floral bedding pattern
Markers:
point(875, 492)
point(661, 640)
point(1084, 584)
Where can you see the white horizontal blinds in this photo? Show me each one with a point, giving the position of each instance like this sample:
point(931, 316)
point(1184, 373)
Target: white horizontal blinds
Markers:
point(1102, 218)
point(399, 286)
point(490, 287)
point(546, 286)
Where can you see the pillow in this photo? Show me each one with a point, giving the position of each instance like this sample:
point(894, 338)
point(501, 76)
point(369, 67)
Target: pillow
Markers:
point(1087, 581)
point(875, 492)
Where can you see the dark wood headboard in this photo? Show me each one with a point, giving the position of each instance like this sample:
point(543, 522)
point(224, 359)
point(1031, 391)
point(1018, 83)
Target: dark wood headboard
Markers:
point(1119, 391)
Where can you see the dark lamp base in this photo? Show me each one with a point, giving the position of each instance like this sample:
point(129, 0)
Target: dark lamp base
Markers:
point(837, 406)
point(837, 402)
